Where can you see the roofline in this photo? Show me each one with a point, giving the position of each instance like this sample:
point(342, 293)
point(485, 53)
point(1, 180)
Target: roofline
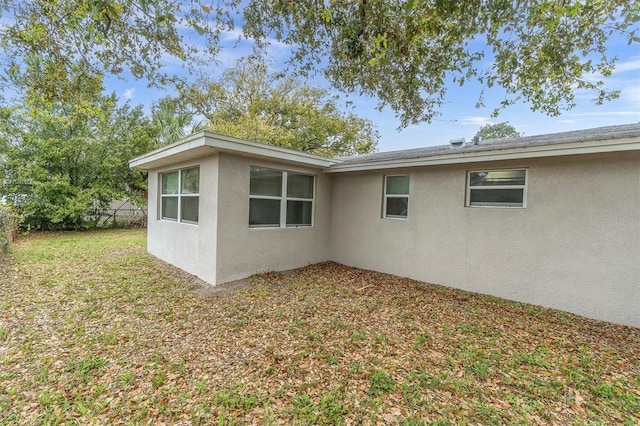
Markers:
point(221, 143)
point(513, 153)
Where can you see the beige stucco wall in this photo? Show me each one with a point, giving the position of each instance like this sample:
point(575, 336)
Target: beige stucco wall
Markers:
point(189, 247)
point(576, 246)
point(243, 251)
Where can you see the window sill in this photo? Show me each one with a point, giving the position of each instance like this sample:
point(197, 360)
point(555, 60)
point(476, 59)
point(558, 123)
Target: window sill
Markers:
point(281, 227)
point(497, 207)
point(177, 222)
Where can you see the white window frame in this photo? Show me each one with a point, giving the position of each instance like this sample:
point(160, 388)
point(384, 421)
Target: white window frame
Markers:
point(179, 196)
point(283, 198)
point(385, 196)
point(489, 187)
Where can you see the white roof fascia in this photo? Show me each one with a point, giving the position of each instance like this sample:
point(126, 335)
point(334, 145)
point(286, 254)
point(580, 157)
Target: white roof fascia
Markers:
point(575, 148)
point(164, 152)
point(233, 145)
point(220, 143)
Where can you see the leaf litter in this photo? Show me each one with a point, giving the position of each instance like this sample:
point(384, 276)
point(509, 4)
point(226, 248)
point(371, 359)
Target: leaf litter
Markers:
point(94, 330)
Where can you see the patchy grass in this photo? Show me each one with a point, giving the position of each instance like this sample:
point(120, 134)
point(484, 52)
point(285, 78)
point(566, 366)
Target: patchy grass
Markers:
point(94, 331)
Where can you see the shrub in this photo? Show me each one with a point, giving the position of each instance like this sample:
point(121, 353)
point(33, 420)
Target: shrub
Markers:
point(7, 229)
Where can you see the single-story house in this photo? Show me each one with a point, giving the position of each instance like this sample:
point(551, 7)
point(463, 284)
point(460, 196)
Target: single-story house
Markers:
point(552, 220)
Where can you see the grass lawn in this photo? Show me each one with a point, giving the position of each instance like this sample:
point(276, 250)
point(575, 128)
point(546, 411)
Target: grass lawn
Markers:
point(92, 330)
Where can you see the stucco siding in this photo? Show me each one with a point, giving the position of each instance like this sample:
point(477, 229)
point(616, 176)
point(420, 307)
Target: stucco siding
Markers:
point(187, 246)
point(244, 251)
point(576, 246)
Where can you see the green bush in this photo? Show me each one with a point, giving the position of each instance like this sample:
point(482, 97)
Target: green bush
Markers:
point(7, 229)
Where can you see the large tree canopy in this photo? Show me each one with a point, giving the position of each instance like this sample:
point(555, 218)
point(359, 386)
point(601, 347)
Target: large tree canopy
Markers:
point(405, 52)
point(251, 102)
point(402, 52)
point(42, 38)
point(62, 160)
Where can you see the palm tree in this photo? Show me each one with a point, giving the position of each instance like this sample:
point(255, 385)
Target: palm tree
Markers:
point(174, 121)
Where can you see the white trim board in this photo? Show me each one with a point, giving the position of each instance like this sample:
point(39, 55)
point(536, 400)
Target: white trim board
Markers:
point(206, 143)
point(497, 154)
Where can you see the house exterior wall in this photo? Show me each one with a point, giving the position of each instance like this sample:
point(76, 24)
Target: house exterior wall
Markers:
point(189, 247)
point(575, 247)
point(244, 251)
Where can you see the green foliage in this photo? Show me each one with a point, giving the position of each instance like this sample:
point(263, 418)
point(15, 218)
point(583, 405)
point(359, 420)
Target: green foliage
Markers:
point(86, 368)
point(496, 131)
point(330, 411)
point(158, 379)
point(249, 102)
point(381, 383)
point(405, 53)
point(536, 358)
point(7, 226)
point(104, 36)
point(173, 121)
point(63, 160)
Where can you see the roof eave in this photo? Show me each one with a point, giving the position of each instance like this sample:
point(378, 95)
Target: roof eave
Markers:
point(239, 146)
point(576, 148)
point(206, 143)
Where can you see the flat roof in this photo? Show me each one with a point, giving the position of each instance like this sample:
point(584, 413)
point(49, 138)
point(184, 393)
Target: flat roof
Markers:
point(206, 143)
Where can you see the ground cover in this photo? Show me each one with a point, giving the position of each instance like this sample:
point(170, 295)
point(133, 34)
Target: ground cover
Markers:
point(93, 330)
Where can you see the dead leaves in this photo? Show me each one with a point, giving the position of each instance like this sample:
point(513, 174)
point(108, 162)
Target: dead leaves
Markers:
point(93, 330)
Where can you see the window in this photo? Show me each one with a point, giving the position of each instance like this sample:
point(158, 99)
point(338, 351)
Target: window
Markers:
point(396, 197)
point(280, 199)
point(180, 195)
point(497, 188)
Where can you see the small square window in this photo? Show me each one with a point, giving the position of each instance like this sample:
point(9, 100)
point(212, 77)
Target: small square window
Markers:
point(179, 195)
point(189, 209)
point(170, 208)
point(299, 213)
point(170, 182)
point(266, 182)
point(299, 186)
point(264, 212)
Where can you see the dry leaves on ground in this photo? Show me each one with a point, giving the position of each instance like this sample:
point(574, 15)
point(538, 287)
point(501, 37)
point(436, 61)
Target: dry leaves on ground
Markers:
point(92, 330)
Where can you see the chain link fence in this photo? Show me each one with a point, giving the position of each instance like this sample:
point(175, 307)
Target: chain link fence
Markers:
point(119, 214)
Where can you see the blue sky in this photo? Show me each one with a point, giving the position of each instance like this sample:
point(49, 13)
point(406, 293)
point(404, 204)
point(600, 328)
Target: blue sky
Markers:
point(459, 118)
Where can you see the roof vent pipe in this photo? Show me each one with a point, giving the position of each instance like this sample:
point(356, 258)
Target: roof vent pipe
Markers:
point(456, 143)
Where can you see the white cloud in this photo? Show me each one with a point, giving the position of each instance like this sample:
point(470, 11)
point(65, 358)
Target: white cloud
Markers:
point(632, 65)
point(569, 121)
point(128, 94)
point(621, 67)
point(474, 120)
point(232, 35)
point(237, 34)
point(631, 93)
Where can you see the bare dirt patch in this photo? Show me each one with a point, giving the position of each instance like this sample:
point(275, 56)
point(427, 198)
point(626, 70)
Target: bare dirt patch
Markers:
point(204, 289)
